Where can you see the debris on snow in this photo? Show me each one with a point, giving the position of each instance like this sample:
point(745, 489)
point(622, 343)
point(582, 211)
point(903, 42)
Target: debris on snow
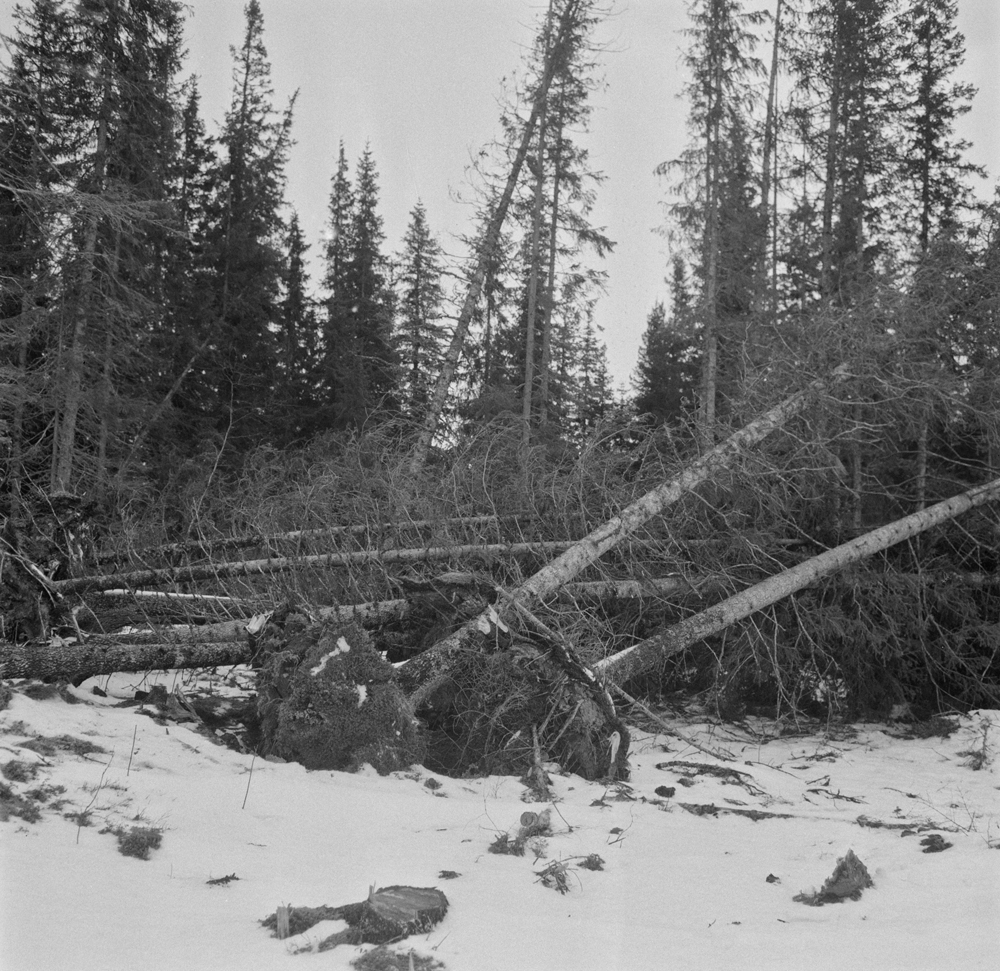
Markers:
point(849, 878)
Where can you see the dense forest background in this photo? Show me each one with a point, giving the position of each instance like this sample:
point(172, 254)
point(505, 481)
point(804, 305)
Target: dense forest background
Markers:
point(166, 356)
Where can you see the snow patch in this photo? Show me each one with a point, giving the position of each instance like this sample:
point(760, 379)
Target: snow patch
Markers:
point(362, 691)
point(342, 648)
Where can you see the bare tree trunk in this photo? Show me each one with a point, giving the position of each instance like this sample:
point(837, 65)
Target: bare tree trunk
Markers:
point(140, 439)
point(376, 612)
point(46, 661)
point(710, 302)
point(64, 438)
point(218, 571)
point(490, 241)
point(422, 674)
point(296, 537)
point(770, 151)
point(535, 271)
point(647, 654)
point(832, 159)
point(550, 287)
point(922, 437)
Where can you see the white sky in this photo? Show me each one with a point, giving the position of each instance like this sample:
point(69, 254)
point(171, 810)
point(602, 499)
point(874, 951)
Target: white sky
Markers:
point(420, 80)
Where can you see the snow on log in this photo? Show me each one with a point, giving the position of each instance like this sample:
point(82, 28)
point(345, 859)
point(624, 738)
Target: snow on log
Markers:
point(389, 914)
point(645, 655)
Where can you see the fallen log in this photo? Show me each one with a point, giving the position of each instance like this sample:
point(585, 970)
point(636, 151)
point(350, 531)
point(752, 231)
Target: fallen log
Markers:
point(219, 571)
point(77, 662)
point(209, 545)
point(645, 655)
point(233, 630)
point(424, 673)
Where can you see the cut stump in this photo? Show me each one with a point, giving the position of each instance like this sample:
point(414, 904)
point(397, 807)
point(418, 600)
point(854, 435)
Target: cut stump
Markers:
point(388, 915)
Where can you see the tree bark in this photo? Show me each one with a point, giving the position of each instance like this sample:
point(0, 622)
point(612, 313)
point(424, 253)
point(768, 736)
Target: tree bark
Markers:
point(490, 241)
point(423, 673)
point(770, 140)
point(645, 655)
point(534, 273)
point(48, 661)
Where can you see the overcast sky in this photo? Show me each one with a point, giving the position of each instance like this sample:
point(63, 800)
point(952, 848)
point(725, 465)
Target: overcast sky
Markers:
point(420, 81)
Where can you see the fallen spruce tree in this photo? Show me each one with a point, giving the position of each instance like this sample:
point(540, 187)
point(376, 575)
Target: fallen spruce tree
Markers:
point(515, 693)
point(425, 673)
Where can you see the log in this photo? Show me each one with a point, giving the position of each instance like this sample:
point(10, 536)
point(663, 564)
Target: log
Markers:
point(77, 662)
point(218, 571)
point(208, 545)
point(424, 673)
point(645, 655)
point(234, 630)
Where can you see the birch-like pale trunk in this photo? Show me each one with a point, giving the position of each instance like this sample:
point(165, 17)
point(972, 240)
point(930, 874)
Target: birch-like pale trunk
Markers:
point(568, 21)
point(243, 568)
point(642, 657)
point(425, 672)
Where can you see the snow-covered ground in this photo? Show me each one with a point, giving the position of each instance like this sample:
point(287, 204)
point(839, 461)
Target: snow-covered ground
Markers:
point(681, 888)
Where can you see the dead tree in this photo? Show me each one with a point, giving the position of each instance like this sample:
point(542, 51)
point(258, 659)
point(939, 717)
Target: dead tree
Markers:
point(77, 662)
point(568, 23)
point(425, 673)
point(647, 654)
point(217, 571)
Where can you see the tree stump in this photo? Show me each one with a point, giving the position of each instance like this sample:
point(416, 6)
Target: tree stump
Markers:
point(389, 914)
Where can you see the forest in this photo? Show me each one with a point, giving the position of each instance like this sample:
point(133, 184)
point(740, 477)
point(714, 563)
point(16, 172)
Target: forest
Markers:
point(789, 511)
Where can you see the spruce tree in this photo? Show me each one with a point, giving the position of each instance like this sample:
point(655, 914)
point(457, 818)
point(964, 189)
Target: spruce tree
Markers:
point(299, 349)
point(245, 239)
point(719, 211)
point(420, 334)
point(931, 160)
point(369, 303)
point(101, 78)
point(41, 131)
point(340, 377)
point(553, 211)
point(666, 374)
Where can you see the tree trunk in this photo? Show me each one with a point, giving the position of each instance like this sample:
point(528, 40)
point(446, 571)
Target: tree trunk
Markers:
point(533, 279)
point(185, 574)
point(769, 152)
point(832, 164)
point(64, 437)
point(647, 654)
point(425, 672)
point(205, 546)
point(488, 246)
point(140, 439)
point(52, 662)
point(550, 287)
point(369, 614)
